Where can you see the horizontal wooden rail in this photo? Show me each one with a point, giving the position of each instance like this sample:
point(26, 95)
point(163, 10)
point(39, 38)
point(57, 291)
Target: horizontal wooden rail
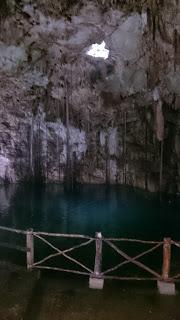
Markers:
point(13, 230)
point(96, 273)
point(177, 244)
point(134, 240)
point(50, 234)
point(130, 278)
point(62, 235)
point(63, 270)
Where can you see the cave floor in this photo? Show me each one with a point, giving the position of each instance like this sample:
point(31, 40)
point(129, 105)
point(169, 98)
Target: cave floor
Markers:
point(66, 300)
point(24, 296)
point(16, 285)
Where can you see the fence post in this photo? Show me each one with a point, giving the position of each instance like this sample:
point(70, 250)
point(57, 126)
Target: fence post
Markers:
point(30, 249)
point(96, 281)
point(166, 259)
point(165, 286)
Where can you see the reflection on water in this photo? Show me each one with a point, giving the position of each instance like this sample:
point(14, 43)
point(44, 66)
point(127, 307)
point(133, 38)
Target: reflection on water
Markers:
point(116, 211)
point(5, 196)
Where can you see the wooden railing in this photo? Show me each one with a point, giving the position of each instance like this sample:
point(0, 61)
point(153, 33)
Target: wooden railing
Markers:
point(99, 241)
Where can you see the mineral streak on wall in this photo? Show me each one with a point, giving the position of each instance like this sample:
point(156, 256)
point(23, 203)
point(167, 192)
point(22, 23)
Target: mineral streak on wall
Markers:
point(65, 115)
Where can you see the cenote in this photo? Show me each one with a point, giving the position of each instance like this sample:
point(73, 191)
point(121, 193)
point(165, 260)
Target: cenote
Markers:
point(89, 98)
point(115, 211)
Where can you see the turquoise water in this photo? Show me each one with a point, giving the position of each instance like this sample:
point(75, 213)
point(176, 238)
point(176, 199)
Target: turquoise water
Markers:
point(115, 211)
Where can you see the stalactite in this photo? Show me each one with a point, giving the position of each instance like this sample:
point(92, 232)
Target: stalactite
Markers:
point(146, 150)
point(68, 155)
point(159, 131)
point(107, 159)
point(88, 141)
point(20, 151)
point(88, 122)
point(38, 152)
point(4, 9)
point(154, 27)
point(39, 149)
point(125, 147)
point(175, 47)
point(67, 129)
point(74, 169)
point(154, 18)
point(72, 156)
point(31, 147)
point(59, 158)
point(159, 121)
point(149, 21)
point(46, 156)
point(57, 137)
point(161, 165)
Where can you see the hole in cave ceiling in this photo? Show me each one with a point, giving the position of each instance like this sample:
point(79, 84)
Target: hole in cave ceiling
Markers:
point(98, 51)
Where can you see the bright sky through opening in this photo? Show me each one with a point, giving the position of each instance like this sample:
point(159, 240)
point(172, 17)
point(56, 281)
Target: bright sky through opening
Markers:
point(98, 51)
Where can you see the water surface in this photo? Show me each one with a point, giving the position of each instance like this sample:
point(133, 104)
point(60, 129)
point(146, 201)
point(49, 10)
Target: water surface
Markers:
point(115, 211)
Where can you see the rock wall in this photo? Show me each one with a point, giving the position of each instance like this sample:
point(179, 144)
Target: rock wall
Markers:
point(66, 116)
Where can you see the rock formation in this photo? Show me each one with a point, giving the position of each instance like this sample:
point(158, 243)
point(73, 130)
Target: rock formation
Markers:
point(66, 116)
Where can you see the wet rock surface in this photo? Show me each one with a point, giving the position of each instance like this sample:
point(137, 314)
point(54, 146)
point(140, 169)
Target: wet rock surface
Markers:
point(71, 298)
point(16, 289)
point(65, 116)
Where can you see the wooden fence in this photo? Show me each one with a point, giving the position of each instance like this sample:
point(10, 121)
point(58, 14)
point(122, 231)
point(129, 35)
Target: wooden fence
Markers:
point(99, 241)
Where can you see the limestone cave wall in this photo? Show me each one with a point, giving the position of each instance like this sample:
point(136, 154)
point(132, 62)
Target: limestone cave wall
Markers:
point(66, 116)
